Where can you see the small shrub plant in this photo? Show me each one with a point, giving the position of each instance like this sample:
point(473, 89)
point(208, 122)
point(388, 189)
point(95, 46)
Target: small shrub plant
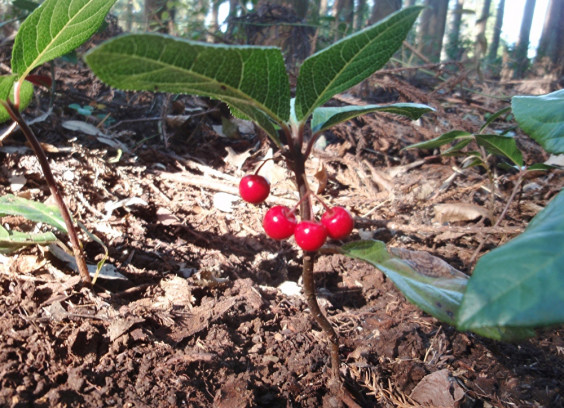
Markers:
point(254, 83)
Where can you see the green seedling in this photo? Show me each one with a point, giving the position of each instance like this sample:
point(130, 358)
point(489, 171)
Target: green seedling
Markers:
point(50, 31)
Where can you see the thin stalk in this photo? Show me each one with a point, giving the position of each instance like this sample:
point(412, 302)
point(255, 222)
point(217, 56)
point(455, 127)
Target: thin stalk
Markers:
point(53, 187)
point(307, 273)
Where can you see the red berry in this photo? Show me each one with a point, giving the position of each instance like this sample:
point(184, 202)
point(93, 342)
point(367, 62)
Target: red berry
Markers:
point(254, 188)
point(338, 222)
point(279, 222)
point(310, 235)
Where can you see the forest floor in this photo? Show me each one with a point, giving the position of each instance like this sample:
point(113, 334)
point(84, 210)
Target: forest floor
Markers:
point(209, 311)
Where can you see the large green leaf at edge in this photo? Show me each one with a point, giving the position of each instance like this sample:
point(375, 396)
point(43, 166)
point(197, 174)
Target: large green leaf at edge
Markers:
point(351, 60)
point(252, 80)
point(521, 283)
point(31, 210)
point(542, 118)
point(7, 91)
point(324, 118)
point(54, 29)
point(438, 294)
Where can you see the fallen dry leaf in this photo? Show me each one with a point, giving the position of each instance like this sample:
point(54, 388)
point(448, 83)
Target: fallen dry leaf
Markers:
point(453, 212)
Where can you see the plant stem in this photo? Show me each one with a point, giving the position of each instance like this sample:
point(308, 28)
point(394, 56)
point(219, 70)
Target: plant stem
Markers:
point(307, 273)
point(53, 187)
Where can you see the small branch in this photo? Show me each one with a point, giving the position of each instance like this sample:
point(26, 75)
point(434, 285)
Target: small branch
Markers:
point(55, 191)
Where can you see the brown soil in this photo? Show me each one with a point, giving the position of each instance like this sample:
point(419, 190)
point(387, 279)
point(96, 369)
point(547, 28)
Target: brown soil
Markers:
point(200, 320)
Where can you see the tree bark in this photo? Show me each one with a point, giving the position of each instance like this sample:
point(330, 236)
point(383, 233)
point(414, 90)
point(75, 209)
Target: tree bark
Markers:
point(551, 46)
point(344, 16)
point(383, 8)
point(432, 28)
point(481, 45)
point(522, 48)
point(454, 51)
point(494, 46)
point(158, 16)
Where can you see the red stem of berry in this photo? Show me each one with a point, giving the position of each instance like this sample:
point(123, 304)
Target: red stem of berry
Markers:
point(55, 191)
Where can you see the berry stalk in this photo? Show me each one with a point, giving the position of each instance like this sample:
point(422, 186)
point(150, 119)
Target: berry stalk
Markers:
point(308, 261)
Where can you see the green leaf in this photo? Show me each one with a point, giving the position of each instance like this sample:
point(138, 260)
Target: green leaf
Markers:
point(252, 80)
point(351, 60)
point(31, 210)
point(11, 241)
point(442, 140)
point(542, 118)
point(55, 28)
point(324, 118)
point(7, 91)
point(25, 5)
point(494, 116)
point(440, 296)
point(502, 146)
point(454, 150)
point(520, 284)
point(427, 281)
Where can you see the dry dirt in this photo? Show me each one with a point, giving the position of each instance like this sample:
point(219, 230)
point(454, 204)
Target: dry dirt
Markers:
point(200, 319)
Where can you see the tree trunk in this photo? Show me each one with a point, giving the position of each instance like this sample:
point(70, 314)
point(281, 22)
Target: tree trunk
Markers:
point(481, 45)
point(454, 51)
point(432, 28)
point(360, 15)
point(383, 8)
point(522, 48)
point(158, 16)
point(494, 46)
point(551, 46)
point(344, 17)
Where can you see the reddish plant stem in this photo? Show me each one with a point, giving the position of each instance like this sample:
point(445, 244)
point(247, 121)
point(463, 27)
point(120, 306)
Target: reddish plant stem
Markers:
point(55, 190)
point(307, 273)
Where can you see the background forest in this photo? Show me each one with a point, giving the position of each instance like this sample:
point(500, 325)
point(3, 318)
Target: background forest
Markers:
point(467, 31)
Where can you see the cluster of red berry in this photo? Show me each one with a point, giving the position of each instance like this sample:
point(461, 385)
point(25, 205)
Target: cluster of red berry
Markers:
point(280, 221)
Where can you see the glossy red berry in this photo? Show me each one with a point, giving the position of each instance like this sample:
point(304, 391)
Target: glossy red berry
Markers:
point(254, 188)
point(310, 235)
point(279, 222)
point(338, 222)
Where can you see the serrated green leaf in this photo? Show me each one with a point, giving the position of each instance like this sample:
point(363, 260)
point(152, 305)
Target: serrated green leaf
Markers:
point(31, 210)
point(351, 60)
point(252, 80)
point(442, 140)
point(7, 91)
point(542, 118)
point(501, 146)
point(11, 241)
point(55, 28)
point(324, 118)
point(427, 281)
point(520, 284)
